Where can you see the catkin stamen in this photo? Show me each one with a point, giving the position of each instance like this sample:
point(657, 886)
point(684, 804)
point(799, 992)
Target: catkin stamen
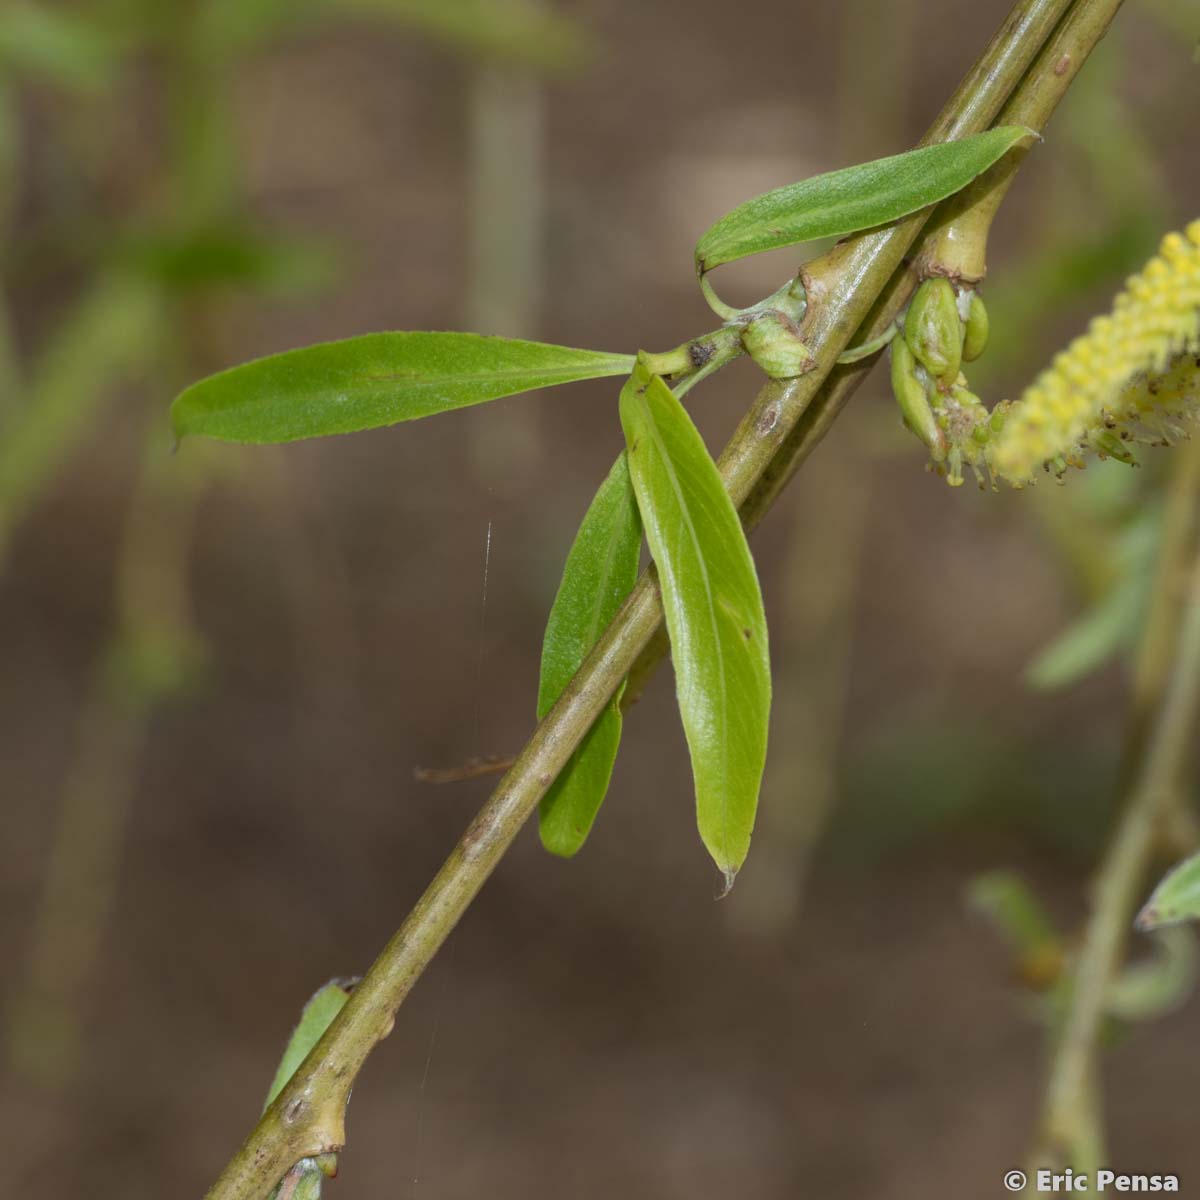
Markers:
point(1134, 373)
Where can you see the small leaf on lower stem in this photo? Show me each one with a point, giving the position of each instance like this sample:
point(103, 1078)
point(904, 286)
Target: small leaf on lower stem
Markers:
point(317, 1016)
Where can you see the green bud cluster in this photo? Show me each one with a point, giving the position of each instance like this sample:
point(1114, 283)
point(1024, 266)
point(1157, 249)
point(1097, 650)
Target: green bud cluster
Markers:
point(942, 329)
point(1134, 376)
point(773, 340)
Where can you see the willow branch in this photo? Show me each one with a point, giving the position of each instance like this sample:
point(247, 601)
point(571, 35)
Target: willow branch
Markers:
point(1031, 104)
point(307, 1118)
point(1166, 697)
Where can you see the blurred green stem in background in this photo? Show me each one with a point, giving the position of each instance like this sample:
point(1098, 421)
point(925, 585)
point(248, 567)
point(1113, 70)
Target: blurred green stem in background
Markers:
point(145, 315)
point(506, 113)
point(874, 75)
point(308, 1117)
point(507, 121)
point(153, 654)
point(1161, 730)
point(10, 367)
point(127, 326)
point(110, 336)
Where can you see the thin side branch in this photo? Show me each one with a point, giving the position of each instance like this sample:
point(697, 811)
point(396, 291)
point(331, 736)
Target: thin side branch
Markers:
point(1158, 744)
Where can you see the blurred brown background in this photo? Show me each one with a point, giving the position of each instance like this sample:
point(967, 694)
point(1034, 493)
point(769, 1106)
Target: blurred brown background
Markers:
point(841, 1025)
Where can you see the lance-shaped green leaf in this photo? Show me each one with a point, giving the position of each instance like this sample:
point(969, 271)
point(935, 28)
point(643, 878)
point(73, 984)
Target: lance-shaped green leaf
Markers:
point(110, 334)
point(224, 255)
point(713, 608)
point(854, 198)
point(373, 380)
point(1176, 899)
point(600, 572)
point(1108, 627)
point(317, 1016)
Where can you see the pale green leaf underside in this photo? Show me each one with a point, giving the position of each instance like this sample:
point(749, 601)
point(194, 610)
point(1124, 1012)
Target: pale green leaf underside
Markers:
point(1176, 899)
point(317, 1016)
point(854, 198)
point(374, 380)
point(1093, 639)
point(714, 612)
point(600, 572)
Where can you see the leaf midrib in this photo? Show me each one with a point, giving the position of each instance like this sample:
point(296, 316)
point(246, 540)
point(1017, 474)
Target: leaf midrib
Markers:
point(712, 612)
point(611, 367)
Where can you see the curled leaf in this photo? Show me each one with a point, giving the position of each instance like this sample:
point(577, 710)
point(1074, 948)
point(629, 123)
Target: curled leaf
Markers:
point(374, 380)
point(1158, 985)
point(714, 612)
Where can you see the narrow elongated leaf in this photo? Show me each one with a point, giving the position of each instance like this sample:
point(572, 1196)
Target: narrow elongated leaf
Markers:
point(713, 609)
point(1104, 630)
point(224, 255)
point(854, 198)
point(373, 380)
point(110, 335)
point(317, 1016)
point(1176, 899)
point(600, 572)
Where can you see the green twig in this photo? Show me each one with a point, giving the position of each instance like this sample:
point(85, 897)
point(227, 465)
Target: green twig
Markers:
point(307, 1118)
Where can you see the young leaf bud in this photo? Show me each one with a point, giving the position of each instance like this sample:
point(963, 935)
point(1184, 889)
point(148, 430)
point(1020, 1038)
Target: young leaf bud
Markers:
point(912, 399)
point(774, 342)
point(976, 339)
point(933, 330)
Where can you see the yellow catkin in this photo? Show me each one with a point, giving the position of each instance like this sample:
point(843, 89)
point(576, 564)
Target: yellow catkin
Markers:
point(1135, 365)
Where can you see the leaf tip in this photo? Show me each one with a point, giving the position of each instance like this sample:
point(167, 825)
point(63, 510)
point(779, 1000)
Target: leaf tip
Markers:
point(557, 835)
point(555, 843)
point(729, 875)
point(1148, 919)
point(179, 429)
